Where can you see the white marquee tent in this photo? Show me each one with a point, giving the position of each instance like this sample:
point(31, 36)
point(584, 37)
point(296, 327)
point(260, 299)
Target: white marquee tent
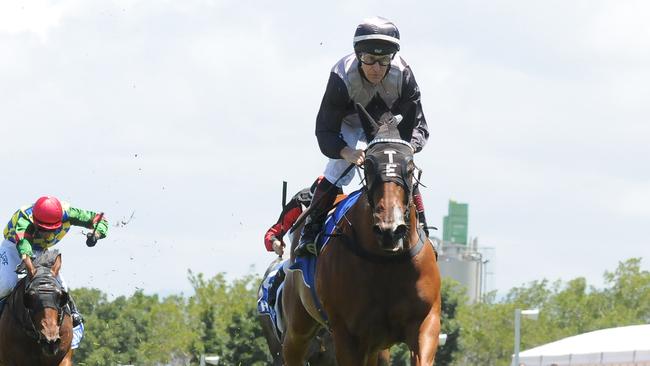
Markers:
point(624, 346)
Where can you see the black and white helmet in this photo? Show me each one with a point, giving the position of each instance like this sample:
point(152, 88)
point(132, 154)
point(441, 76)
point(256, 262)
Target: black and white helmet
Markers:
point(376, 35)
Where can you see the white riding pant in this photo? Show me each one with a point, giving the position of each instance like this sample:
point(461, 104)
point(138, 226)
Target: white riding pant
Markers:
point(9, 259)
point(355, 138)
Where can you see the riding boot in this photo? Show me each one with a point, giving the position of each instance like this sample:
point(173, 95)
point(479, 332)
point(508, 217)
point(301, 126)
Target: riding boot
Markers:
point(74, 312)
point(324, 198)
point(419, 206)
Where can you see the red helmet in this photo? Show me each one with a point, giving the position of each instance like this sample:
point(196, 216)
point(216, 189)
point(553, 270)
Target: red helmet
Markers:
point(48, 213)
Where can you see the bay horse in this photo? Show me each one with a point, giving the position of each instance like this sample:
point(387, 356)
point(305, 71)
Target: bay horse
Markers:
point(377, 278)
point(35, 325)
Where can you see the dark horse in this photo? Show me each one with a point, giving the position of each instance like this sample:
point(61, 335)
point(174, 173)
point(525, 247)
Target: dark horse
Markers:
point(377, 278)
point(35, 326)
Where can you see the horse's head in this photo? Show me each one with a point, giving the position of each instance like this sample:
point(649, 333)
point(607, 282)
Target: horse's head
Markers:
point(389, 177)
point(44, 298)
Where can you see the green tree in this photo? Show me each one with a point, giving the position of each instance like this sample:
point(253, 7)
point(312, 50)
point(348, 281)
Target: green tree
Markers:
point(453, 300)
point(169, 335)
point(139, 329)
point(246, 344)
point(225, 314)
point(485, 329)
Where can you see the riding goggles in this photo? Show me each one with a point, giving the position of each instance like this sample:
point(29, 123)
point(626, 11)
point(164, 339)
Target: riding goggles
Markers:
point(370, 59)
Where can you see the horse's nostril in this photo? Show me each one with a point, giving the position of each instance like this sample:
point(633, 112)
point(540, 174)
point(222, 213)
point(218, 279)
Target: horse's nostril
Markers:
point(377, 229)
point(400, 231)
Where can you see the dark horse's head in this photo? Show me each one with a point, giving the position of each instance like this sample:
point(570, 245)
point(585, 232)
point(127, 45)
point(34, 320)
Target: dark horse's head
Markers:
point(44, 300)
point(388, 171)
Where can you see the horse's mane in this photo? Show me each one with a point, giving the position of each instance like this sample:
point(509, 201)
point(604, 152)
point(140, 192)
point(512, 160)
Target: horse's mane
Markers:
point(388, 127)
point(47, 258)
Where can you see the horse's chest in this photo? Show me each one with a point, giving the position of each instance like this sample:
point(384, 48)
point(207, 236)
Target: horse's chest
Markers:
point(378, 314)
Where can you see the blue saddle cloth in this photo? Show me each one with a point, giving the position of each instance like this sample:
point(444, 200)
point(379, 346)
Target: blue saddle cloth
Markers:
point(263, 306)
point(307, 264)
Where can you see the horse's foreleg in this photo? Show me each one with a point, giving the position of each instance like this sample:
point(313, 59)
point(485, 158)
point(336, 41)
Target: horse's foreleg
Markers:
point(295, 346)
point(67, 360)
point(423, 349)
point(348, 349)
point(383, 358)
point(380, 358)
point(300, 329)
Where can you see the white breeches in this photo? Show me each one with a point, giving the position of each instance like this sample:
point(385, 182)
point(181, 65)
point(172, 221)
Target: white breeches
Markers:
point(9, 259)
point(356, 139)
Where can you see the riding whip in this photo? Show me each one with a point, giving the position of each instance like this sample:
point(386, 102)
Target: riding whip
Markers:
point(284, 193)
point(101, 216)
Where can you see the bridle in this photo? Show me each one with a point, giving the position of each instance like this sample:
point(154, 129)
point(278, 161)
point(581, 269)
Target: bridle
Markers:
point(389, 160)
point(48, 289)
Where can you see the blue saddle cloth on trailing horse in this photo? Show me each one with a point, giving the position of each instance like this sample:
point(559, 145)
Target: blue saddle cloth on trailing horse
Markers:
point(263, 304)
point(307, 264)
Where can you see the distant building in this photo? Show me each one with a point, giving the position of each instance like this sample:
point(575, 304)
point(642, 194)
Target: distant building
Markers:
point(454, 225)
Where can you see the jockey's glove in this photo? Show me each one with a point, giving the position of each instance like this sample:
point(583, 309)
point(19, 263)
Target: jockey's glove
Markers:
point(91, 239)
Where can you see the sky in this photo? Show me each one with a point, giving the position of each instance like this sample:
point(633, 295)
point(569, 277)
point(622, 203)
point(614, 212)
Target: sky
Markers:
point(181, 119)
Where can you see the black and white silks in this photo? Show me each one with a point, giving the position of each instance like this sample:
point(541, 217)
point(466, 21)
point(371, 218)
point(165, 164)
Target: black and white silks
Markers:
point(397, 93)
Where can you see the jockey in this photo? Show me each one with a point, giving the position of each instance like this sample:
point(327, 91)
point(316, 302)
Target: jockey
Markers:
point(290, 213)
point(378, 78)
point(35, 228)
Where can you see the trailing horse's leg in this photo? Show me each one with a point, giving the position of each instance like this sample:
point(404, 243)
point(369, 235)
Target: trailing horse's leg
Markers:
point(424, 340)
point(268, 330)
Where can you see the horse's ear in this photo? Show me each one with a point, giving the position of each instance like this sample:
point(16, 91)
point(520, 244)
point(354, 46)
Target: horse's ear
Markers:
point(370, 127)
point(56, 266)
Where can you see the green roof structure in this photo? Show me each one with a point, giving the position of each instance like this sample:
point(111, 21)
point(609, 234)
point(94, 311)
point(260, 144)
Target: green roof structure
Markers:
point(454, 226)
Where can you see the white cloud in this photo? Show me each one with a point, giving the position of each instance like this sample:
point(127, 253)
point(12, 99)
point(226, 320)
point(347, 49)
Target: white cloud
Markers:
point(37, 17)
point(620, 31)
